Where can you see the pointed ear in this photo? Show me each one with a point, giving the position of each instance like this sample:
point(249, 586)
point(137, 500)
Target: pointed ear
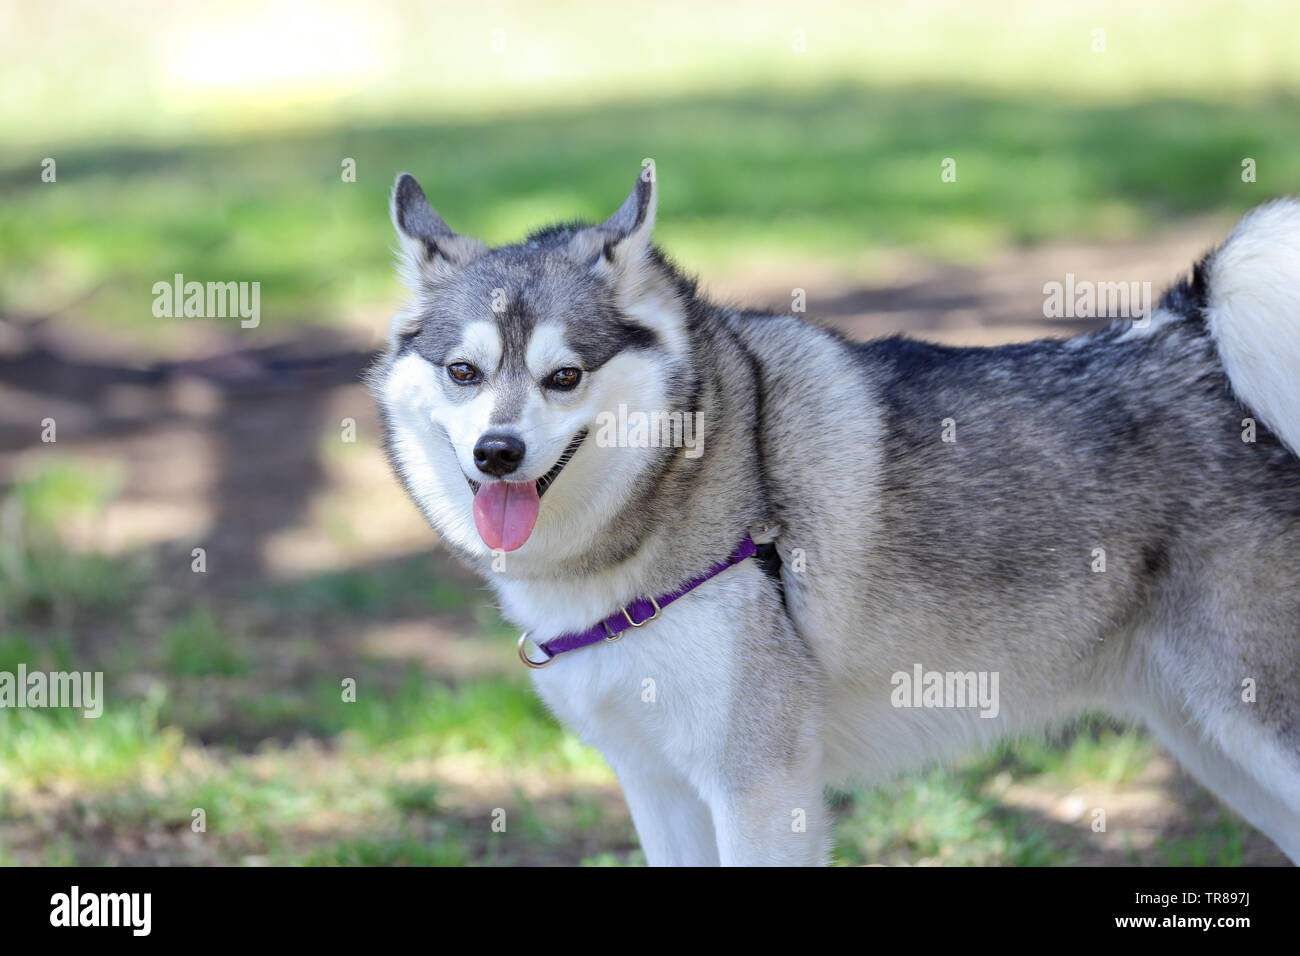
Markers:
point(429, 248)
point(619, 244)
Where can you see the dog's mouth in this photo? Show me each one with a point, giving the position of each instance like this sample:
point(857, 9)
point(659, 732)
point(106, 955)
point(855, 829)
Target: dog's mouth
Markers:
point(506, 511)
point(545, 481)
point(566, 456)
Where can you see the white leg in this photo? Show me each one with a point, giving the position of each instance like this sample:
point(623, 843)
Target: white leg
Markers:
point(768, 803)
point(1260, 783)
point(781, 821)
point(672, 821)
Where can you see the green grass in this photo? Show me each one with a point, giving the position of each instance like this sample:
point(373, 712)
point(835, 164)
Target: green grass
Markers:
point(63, 489)
point(296, 803)
point(51, 652)
point(955, 817)
point(40, 576)
point(403, 850)
point(943, 818)
point(62, 747)
point(832, 174)
point(499, 720)
point(136, 775)
point(834, 154)
point(408, 586)
point(632, 858)
point(197, 647)
point(1096, 750)
point(1219, 843)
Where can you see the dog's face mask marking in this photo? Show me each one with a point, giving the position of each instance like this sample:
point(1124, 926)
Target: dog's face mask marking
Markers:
point(506, 358)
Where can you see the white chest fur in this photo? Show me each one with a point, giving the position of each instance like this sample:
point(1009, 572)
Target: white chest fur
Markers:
point(659, 695)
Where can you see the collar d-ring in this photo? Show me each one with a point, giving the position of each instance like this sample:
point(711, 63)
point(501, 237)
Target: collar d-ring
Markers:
point(523, 654)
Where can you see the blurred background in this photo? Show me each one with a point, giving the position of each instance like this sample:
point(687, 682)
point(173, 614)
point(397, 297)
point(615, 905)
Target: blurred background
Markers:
point(798, 145)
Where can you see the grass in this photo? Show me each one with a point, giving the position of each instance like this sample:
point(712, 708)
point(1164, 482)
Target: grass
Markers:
point(940, 818)
point(40, 575)
point(957, 816)
point(833, 174)
point(1219, 844)
point(62, 748)
point(1097, 750)
point(287, 802)
point(834, 154)
point(407, 587)
point(197, 647)
point(388, 770)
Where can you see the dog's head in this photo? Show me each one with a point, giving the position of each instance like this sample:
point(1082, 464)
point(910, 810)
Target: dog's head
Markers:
point(505, 367)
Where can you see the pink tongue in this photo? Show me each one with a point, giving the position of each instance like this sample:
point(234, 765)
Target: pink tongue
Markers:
point(505, 513)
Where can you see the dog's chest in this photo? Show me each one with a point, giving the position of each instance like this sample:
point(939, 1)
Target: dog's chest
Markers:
point(662, 693)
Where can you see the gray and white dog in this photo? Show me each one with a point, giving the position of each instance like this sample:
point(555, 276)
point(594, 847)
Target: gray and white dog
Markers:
point(957, 544)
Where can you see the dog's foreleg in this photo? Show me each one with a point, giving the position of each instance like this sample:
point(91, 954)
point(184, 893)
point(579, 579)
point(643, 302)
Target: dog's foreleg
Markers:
point(673, 822)
point(778, 820)
point(769, 807)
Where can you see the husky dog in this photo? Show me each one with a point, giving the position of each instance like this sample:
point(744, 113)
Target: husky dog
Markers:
point(864, 531)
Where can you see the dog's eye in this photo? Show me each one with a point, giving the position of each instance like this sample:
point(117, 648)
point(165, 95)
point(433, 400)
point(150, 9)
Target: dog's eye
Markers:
point(564, 378)
point(463, 373)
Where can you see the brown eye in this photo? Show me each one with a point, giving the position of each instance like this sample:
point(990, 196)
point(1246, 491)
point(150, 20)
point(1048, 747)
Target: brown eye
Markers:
point(564, 379)
point(463, 372)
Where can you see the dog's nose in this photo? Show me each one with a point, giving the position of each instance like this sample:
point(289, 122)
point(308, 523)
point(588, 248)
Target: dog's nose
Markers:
point(498, 454)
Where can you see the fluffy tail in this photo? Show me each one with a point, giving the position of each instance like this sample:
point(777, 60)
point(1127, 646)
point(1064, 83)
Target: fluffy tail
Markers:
point(1253, 311)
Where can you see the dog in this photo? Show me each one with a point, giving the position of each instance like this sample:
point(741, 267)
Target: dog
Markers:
point(754, 559)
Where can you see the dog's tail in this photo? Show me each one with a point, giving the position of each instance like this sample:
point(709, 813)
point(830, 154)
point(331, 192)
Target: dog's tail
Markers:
point(1251, 288)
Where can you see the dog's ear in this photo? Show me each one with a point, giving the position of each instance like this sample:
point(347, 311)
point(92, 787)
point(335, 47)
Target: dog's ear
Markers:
point(430, 250)
point(619, 247)
point(620, 250)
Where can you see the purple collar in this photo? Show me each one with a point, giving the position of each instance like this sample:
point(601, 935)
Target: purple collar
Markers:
point(637, 614)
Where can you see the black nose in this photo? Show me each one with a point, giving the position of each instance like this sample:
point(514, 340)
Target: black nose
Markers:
point(498, 454)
